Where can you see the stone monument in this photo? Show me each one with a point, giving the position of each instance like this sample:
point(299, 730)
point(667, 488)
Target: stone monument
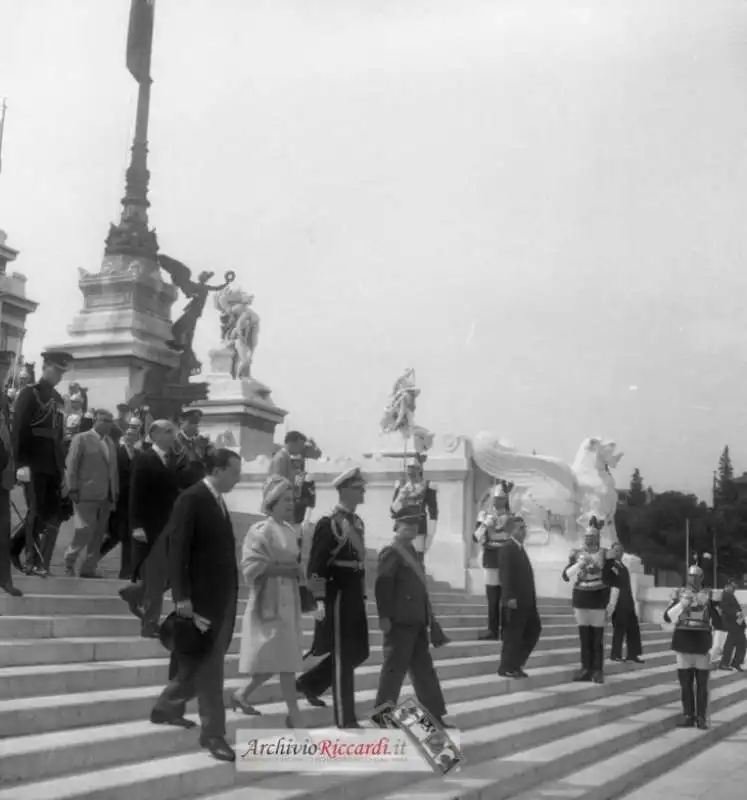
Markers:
point(239, 411)
point(119, 338)
point(555, 498)
point(14, 305)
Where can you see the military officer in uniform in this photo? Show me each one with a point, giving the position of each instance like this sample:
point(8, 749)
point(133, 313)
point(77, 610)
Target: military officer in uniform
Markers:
point(693, 612)
point(414, 492)
point(191, 449)
point(38, 430)
point(337, 578)
point(491, 533)
point(405, 616)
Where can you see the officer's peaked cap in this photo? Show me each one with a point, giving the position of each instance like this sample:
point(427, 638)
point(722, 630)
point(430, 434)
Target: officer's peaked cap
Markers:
point(350, 479)
point(58, 358)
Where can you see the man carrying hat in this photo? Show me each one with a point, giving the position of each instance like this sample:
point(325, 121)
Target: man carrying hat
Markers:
point(337, 577)
point(38, 431)
point(416, 492)
point(7, 479)
point(405, 616)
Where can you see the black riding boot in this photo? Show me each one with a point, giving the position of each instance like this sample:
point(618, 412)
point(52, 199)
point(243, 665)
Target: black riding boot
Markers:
point(686, 677)
point(584, 636)
point(596, 637)
point(701, 698)
point(493, 596)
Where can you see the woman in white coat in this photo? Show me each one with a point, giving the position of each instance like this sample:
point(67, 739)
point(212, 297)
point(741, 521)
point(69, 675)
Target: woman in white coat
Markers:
point(271, 633)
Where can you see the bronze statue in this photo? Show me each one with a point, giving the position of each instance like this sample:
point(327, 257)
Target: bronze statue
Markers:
point(183, 330)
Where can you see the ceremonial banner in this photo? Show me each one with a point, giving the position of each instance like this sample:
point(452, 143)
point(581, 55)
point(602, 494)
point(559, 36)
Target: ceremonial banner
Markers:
point(140, 39)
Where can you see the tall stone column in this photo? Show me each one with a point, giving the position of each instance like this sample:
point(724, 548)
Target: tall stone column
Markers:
point(118, 339)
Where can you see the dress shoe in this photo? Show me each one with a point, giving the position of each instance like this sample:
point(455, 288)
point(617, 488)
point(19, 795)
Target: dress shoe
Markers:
point(11, 590)
point(637, 660)
point(94, 574)
point(582, 676)
point(701, 724)
point(312, 699)
point(509, 673)
point(597, 676)
point(132, 603)
point(486, 636)
point(239, 704)
point(218, 748)
point(686, 722)
point(151, 632)
point(158, 718)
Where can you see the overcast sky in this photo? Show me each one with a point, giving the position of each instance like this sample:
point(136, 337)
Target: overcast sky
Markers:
point(538, 204)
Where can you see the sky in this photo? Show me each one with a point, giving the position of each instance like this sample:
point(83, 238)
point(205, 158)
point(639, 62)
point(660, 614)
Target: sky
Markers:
point(537, 204)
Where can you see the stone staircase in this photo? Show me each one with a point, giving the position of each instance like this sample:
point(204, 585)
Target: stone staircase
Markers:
point(77, 684)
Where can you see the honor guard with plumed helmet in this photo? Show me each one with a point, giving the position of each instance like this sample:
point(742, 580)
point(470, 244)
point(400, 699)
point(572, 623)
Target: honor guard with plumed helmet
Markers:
point(692, 611)
point(336, 571)
point(590, 570)
point(491, 533)
point(416, 492)
point(38, 431)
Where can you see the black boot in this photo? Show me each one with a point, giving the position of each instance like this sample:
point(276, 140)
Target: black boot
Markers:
point(597, 654)
point(584, 674)
point(701, 698)
point(493, 595)
point(688, 698)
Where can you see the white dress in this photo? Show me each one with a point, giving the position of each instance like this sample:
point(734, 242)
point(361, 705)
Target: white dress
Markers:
point(271, 645)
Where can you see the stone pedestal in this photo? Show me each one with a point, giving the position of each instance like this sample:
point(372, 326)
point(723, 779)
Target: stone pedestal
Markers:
point(240, 414)
point(14, 305)
point(122, 329)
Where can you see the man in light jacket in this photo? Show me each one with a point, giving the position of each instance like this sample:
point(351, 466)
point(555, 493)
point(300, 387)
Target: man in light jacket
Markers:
point(92, 482)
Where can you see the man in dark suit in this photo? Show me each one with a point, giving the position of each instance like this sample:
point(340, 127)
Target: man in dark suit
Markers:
point(119, 523)
point(521, 621)
point(734, 624)
point(622, 611)
point(204, 583)
point(405, 615)
point(153, 492)
point(7, 479)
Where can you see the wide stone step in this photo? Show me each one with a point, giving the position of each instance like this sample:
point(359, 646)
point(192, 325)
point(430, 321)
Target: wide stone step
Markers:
point(501, 778)
point(89, 626)
point(109, 587)
point(59, 677)
point(39, 714)
point(66, 605)
point(523, 751)
point(61, 752)
point(622, 773)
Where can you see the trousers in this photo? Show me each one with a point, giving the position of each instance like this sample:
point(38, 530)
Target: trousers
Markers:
point(5, 576)
point(91, 522)
point(407, 652)
point(625, 627)
point(734, 648)
point(202, 678)
point(521, 632)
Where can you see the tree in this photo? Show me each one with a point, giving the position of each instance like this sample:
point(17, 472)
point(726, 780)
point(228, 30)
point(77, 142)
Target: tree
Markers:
point(637, 494)
point(724, 475)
